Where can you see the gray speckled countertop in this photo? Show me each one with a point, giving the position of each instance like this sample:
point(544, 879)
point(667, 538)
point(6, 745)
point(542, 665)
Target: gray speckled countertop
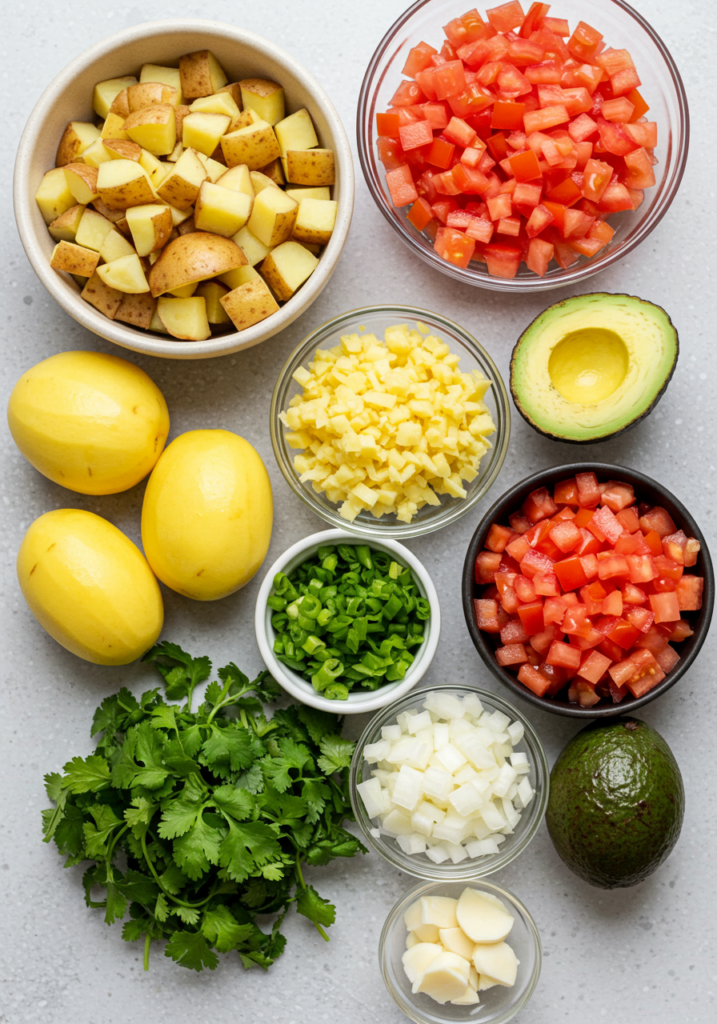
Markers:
point(640, 955)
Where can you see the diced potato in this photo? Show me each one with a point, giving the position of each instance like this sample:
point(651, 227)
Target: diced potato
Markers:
point(167, 76)
point(120, 105)
point(153, 128)
point(233, 278)
point(296, 132)
point(212, 292)
point(113, 128)
point(287, 267)
point(151, 227)
point(254, 249)
point(92, 230)
point(115, 246)
point(214, 168)
point(149, 94)
point(137, 310)
point(311, 247)
point(238, 178)
point(156, 324)
point(203, 131)
point(306, 192)
point(180, 216)
point(74, 259)
point(187, 226)
point(64, 228)
point(185, 319)
point(201, 74)
point(121, 149)
point(126, 275)
point(219, 103)
point(105, 93)
point(272, 217)
point(221, 210)
point(256, 145)
point(96, 154)
point(310, 167)
point(179, 114)
point(249, 304)
point(243, 120)
point(123, 183)
point(156, 169)
point(260, 181)
point(185, 292)
point(177, 151)
point(194, 257)
point(77, 136)
point(82, 182)
point(234, 90)
point(181, 186)
point(265, 97)
point(105, 299)
point(117, 217)
point(274, 171)
point(315, 221)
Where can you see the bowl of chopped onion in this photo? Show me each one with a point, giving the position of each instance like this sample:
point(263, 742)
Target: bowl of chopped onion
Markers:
point(449, 783)
point(390, 421)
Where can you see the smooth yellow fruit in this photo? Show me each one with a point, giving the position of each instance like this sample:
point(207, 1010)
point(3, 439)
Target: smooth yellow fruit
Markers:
point(89, 586)
point(91, 422)
point(207, 514)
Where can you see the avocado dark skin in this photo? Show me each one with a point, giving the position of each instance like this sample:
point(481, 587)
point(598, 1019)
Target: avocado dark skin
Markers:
point(616, 803)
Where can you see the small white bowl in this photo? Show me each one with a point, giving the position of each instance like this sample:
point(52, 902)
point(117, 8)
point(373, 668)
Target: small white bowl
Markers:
point(360, 701)
point(69, 98)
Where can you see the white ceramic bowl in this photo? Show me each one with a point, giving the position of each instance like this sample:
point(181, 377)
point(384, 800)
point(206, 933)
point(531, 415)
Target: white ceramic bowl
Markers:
point(363, 700)
point(69, 98)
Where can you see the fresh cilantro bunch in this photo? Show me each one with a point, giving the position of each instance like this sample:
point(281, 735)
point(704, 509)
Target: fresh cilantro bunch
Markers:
point(197, 821)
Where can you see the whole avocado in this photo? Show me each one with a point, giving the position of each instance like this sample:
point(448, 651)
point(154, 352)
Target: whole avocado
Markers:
point(616, 803)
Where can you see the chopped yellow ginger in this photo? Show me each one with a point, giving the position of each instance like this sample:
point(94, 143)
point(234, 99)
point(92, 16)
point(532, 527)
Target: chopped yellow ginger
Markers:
point(388, 425)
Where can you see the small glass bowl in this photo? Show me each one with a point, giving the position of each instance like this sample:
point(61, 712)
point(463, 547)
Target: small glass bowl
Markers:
point(418, 864)
point(661, 86)
point(376, 319)
point(498, 1004)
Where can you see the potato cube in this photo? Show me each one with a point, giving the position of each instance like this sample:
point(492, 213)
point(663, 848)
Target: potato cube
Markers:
point(296, 132)
point(274, 171)
point(187, 226)
point(136, 310)
point(176, 152)
point(151, 227)
point(179, 114)
point(252, 247)
point(113, 128)
point(212, 292)
point(124, 183)
point(312, 247)
point(121, 149)
point(77, 136)
point(153, 128)
point(201, 74)
point(272, 217)
point(221, 210)
point(181, 186)
point(180, 216)
point(64, 228)
point(125, 274)
point(265, 97)
point(234, 90)
point(305, 192)
point(156, 169)
point(203, 131)
point(96, 154)
point(243, 120)
point(105, 93)
point(74, 259)
point(115, 246)
point(185, 319)
point(213, 168)
point(233, 278)
point(82, 182)
point(260, 181)
point(238, 178)
point(120, 105)
point(105, 299)
point(92, 230)
point(256, 145)
point(249, 304)
point(115, 216)
point(149, 94)
point(185, 292)
point(167, 76)
point(156, 324)
point(220, 103)
point(310, 167)
point(287, 267)
point(315, 221)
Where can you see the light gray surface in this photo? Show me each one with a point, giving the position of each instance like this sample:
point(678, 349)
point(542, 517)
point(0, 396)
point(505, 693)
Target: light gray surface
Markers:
point(638, 955)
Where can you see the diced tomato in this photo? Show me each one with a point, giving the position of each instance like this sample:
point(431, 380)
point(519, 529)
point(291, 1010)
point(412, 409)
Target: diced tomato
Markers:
point(531, 615)
point(513, 654)
point(614, 565)
point(401, 186)
point(533, 19)
point(570, 573)
point(593, 666)
point(622, 671)
point(589, 563)
point(486, 612)
point(524, 589)
point(584, 693)
point(540, 253)
point(534, 680)
point(487, 565)
point(449, 80)
point(454, 246)
point(547, 117)
point(541, 642)
point(419, 58)
point(667, 658)
point(506, 17)
point(466, 29)
point(584, 42)
point(624, 634)
point(513, 632)
point(596, 178)
point(498, 538)
point(612, 604)
point(546, 584)
point(627, 518)
point(539, 505)
point(420, 214)
point(665, 606)
point(566, 535)
point(632, 594)
point(563, 655)
point(588, 490)
point(388, 125)
point(502, 260)
point(639, 165)
point(689, 593)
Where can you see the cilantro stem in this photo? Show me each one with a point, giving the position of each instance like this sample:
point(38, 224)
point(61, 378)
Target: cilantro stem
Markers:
point(111, 849)
point(302, 883)
point(147, 941)
point(181, 903)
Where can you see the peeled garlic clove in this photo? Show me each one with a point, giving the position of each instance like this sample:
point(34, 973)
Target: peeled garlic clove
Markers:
point(455, 940)
point(419, 958)
point(496, 960)
point(481, 919)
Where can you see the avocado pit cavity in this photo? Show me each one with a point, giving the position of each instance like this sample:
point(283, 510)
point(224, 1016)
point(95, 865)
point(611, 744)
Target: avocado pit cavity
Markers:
point(589, 365)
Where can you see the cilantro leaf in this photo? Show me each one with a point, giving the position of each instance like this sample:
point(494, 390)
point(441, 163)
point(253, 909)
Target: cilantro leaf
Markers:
point(187, 915)
point(315, 794)
point(181, 672)
point(116, 904)
point(180, 813)
point(236, 802)
point(336, 754)
point(149, 749)
point(315, 907)
point(86, 774)
point(246, 846)
point(173, 879)
point(53, 786)
point(137, 887)
point(190, 949)
point(197, 849)
point(230, 749)
point(139, 815)
point(318, 723)
point(164, 716)
point(222, 929)
point(252, 780)
point(266, 687)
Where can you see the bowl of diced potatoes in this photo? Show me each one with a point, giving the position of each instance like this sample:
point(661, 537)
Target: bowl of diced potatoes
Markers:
point(184, 188)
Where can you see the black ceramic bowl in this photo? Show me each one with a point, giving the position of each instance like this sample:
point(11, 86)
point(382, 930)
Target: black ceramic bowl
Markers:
point(647, 490)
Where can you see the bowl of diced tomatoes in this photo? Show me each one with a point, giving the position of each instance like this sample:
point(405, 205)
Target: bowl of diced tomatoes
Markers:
point(522, 147)
point(588, 589)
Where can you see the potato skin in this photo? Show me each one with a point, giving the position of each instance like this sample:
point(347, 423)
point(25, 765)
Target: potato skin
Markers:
point(89, 586)
point(93, 423)
point(207, 514)
point(194, 257)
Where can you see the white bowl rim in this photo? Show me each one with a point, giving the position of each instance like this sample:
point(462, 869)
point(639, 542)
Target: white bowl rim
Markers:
point(136, 339)
point(356, 703)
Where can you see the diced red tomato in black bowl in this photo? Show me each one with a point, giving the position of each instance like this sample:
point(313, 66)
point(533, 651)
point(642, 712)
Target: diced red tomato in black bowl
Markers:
point(588, 590)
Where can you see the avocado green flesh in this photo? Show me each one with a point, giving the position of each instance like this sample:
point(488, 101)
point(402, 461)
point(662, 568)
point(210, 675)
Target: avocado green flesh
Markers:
point(592, 366)
point(616, 803)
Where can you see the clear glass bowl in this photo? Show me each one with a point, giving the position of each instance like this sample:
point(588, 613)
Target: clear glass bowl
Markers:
point(376, 319)
point(498, 1004)
point(661, 86)
point(474, 867)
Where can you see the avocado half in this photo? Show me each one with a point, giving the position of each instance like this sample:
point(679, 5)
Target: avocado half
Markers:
point(616, 803)
point(592, 366)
